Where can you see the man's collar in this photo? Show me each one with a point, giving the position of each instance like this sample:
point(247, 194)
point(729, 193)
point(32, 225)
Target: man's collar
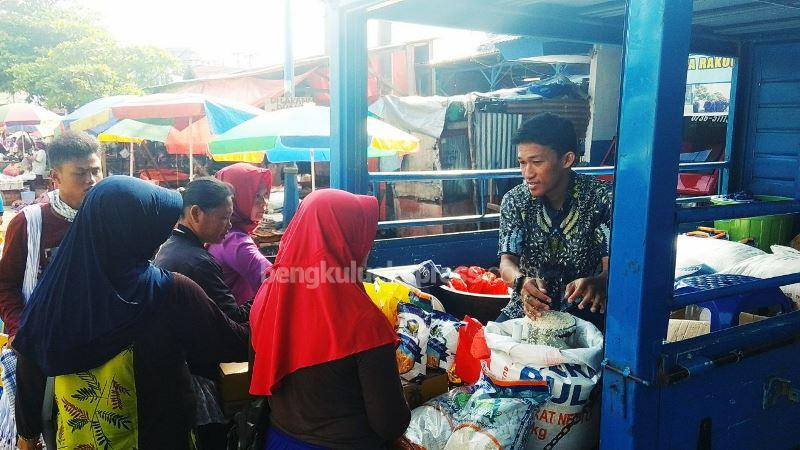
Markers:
point(186, 232)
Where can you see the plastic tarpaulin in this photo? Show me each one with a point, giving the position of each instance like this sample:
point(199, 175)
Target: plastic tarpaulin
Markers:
point(424, 115)
point(250, 90)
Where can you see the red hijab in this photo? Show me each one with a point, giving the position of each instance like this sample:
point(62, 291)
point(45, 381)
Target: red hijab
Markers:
point(296, 323)
point(245, 179)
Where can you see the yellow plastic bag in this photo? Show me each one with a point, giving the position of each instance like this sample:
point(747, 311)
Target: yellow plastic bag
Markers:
point(387, 295)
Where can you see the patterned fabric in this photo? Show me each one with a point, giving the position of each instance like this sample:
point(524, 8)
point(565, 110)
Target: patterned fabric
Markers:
point(8, 426)
point(61, 208)
point(557, 246)
point(97, 409)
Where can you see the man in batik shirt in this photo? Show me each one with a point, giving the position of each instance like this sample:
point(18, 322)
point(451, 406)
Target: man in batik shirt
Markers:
point(554, 227)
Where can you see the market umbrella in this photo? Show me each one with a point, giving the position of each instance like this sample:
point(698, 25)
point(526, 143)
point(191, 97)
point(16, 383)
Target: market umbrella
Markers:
point(29, 118)
point(194, 138)
point(133, 132)
point(303, 134)
point(185, 110)
point(94, 117)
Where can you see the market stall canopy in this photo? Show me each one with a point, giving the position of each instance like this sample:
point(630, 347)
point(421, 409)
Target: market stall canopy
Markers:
point(195, 137)
point(95, 116)
point(295, 132)
point(130, 130)
point(222, 114)
point(29, 118)
point(187, 111)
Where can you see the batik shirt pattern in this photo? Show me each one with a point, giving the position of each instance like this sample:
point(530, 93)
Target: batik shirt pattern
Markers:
point(557, 246)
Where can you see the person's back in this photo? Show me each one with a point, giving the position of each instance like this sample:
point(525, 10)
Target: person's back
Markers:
point(355, 402)
point(39, 162)
point(324, 353)
point(143, 394)
point(207, 208)
point(118, 353)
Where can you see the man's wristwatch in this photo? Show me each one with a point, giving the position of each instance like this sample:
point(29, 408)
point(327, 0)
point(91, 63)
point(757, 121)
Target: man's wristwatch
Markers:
point(518, 283)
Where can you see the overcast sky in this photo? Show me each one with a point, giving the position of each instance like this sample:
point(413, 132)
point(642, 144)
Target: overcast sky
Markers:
point(247, 32)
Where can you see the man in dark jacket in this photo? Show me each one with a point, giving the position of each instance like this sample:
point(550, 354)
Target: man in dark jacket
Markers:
point(206, 219)
point(207, 209)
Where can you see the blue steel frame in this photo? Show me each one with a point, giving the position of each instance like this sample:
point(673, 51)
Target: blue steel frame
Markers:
point(654, 81)
point(647, 381)
point(733, 120)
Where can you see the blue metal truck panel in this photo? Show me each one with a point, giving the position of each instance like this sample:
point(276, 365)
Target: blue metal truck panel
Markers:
point(772, 147)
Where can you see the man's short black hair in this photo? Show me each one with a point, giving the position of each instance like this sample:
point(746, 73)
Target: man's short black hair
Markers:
point(71, 146)
point(548, 130)
point(206, 192)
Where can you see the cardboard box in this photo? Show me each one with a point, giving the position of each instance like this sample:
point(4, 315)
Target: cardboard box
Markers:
point(680, 329)
point(435, 383)
point(745, 318)
point(233, 382)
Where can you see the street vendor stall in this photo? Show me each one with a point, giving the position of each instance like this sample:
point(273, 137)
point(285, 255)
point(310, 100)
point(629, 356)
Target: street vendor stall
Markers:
point(730, 385)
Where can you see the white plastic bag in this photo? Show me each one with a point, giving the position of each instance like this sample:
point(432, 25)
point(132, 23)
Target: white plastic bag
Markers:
point(573, 374)
point(433, 423)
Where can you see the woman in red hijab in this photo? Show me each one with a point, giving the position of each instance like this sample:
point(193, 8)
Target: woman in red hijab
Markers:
point(324, 353)
point(243, 265)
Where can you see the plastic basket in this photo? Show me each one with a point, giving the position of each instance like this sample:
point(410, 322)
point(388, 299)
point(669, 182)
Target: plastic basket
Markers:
point(764, 230)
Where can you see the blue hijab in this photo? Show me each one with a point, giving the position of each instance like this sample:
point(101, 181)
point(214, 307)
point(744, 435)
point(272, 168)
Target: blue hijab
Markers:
point(101, 290)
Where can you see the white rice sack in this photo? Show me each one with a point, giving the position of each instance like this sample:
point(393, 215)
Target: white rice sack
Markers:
point(413, 329)
point(769, 266)
point(717, 254)
point(443, 340)
point(573, 373)
point(499, 415)
point(433, 423)
point(486, 415)
point(783, 250)
point(497, 424)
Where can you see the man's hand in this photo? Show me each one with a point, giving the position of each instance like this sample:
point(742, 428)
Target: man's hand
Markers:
point(591, 292)
point(534, 297)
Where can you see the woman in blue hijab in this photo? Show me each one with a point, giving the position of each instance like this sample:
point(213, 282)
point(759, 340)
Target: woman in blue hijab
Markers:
point(114, 331)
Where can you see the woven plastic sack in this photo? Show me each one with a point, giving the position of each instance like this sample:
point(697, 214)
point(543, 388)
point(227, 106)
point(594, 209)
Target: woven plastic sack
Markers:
point(491, 414)
point(443, 341)
point(413, 329)
point(572, 372)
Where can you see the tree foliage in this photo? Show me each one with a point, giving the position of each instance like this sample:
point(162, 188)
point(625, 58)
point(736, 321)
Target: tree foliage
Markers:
point(57, 53)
